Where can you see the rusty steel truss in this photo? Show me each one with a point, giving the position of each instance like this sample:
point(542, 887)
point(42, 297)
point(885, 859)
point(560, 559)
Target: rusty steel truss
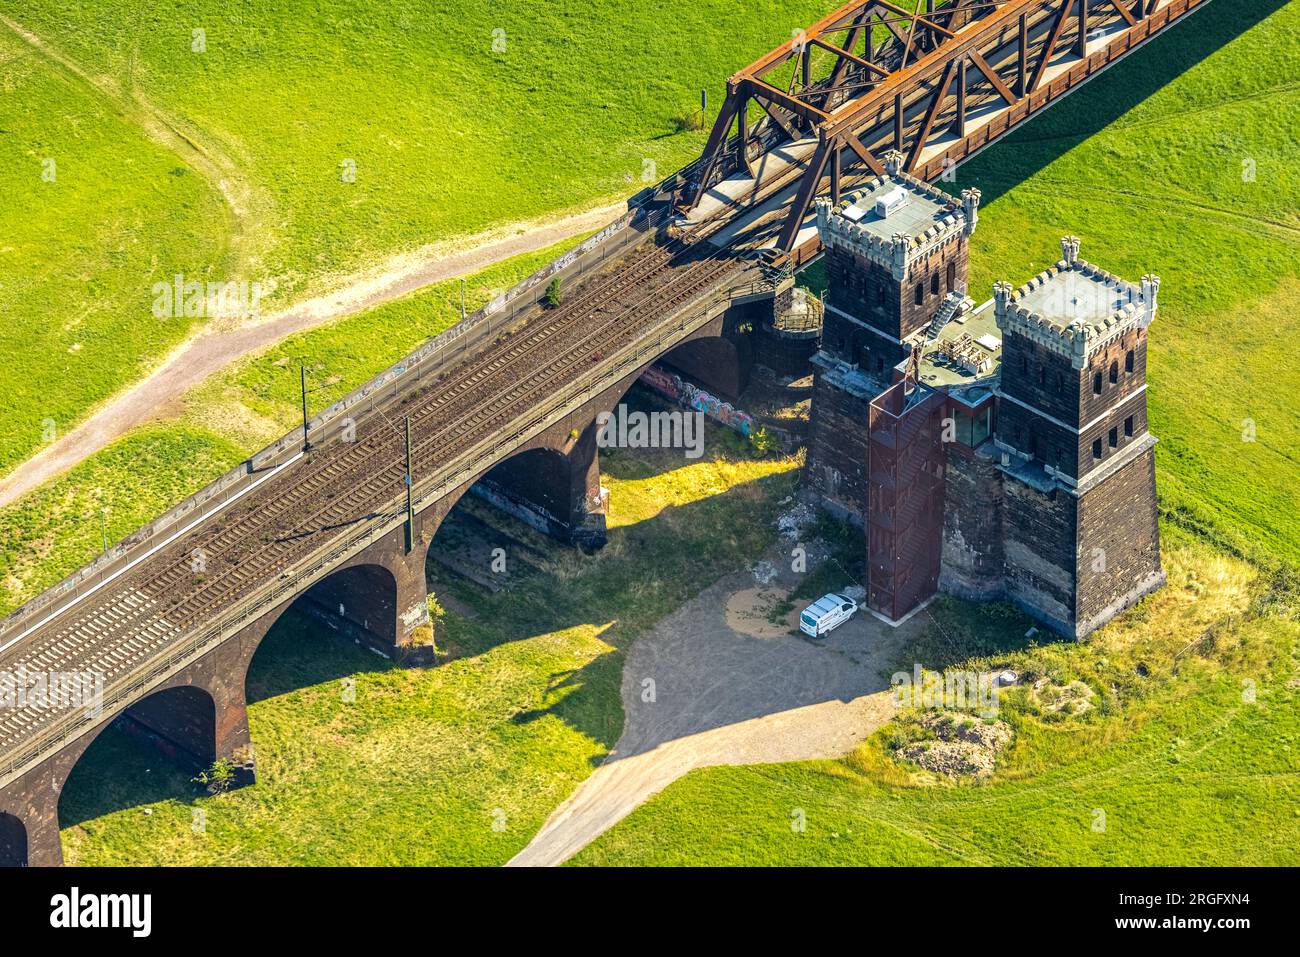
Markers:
point(935, 81)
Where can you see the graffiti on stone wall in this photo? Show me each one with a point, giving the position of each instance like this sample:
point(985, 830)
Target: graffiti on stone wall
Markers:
point(693, 397)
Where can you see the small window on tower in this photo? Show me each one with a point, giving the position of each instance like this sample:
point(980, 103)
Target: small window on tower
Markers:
point(880, 292)
point(1114, 438)
point(1128, 361)
point(1114, 372)
point(920, 293)
point(1096, 449)
point(934, 284)
point(1128, 425)
point(1096, 384)
point(952, 276)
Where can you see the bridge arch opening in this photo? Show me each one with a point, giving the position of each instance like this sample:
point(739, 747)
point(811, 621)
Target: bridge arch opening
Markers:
point(13, 841)
point(119, 768)
point(536, 486)
point(720, 364)
point(359, 601)
point(358, 604)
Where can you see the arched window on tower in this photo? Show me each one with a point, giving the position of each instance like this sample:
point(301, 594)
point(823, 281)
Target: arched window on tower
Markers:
point(1114, 371)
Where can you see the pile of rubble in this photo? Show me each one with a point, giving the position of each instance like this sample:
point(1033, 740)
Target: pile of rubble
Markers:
point(964, 746)
point(793, 523)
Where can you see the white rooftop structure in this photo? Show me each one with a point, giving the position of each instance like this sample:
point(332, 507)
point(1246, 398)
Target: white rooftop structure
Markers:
point(896, 219)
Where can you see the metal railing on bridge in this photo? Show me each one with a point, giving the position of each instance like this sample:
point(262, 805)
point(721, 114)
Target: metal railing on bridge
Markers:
point(388, 517)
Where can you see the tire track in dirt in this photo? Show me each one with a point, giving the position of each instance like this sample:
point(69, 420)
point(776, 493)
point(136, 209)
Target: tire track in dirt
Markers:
point(247, 206)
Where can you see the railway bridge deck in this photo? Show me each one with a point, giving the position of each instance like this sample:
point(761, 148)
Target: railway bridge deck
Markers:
point(167, 620)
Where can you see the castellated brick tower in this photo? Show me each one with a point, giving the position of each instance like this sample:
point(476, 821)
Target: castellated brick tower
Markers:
point(894, 251)
point(1080, 539)
point(896, 254)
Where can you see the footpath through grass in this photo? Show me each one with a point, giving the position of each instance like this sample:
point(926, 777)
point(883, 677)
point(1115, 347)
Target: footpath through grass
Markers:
point(1188, 758)
point(52, 531)
point(92, 213)
point(344, 134)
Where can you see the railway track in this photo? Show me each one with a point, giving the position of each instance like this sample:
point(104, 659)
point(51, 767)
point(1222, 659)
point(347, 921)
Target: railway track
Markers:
point(314, 508)
point(337, 485)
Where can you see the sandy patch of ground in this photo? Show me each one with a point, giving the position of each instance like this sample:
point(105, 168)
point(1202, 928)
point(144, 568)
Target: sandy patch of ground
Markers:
point(700, 689)
point(749, 612)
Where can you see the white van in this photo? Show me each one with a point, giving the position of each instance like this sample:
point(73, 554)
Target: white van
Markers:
point(826, 613)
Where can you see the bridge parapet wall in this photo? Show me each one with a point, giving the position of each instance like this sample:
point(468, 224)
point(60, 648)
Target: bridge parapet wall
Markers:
point(625, 364)
point(390, 384)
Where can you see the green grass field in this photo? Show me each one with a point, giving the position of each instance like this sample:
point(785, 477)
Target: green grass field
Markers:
point(449, 137)
point(1184, 765)
point(93, 213)
point(1145, 163)
point(51, 532)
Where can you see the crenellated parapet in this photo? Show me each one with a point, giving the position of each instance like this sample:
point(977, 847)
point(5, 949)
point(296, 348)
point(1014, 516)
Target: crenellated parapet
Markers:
point(1075, 308)
point(921, 219)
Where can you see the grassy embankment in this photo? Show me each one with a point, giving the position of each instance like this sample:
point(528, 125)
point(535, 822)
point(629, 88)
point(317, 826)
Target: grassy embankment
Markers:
point(1217, 327)
point(423, 764)
point(450, 138)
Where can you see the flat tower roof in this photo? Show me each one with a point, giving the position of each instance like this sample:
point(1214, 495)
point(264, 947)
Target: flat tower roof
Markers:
point(919, 212)
point(1075, 308)
point(919, 219)
point(1075, 295)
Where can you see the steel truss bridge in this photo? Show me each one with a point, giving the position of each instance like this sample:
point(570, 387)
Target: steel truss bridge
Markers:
point(935, 82)
point(938, 83)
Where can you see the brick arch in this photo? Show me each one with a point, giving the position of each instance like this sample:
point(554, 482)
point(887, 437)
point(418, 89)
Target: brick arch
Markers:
point(540, 484)
point(181, 721)
point(13, 841)
point(718, 363)
point(363, 594)
point(190, 721)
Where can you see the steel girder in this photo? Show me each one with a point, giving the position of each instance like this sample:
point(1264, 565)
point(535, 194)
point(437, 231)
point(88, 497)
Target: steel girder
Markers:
point(875, 76)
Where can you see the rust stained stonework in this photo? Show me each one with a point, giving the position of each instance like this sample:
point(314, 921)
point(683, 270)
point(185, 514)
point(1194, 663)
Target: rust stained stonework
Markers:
point(1050, 502)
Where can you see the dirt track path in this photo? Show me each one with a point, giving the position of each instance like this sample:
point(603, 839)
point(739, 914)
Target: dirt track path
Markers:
point(216, 346)
point(729, 688)
point(214, 349)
